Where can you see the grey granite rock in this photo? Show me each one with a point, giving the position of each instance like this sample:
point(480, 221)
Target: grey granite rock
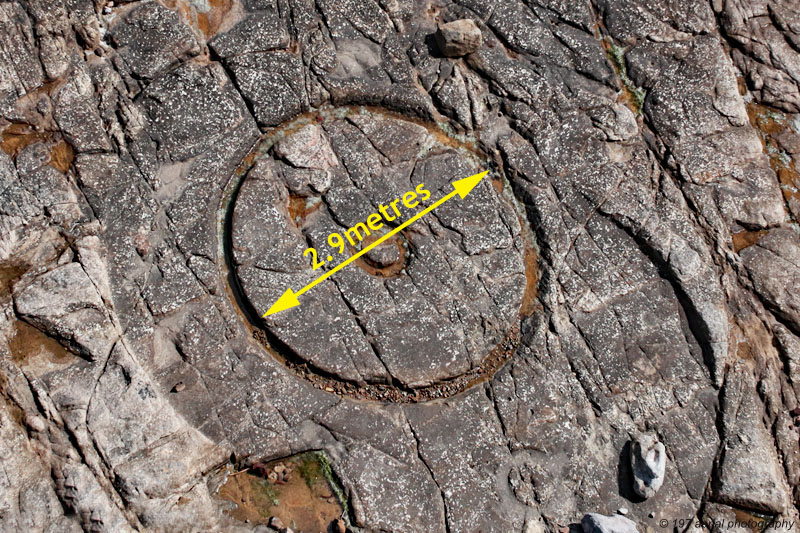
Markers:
point(75, 111)
point(150, 38)
point(274, 98)
point(191, 108)
point(750, 473)
point(258, 32)
point(21, 70)
point(65, 302)
point(29, 494)
point(768, 35)
point(412, 502)
point(774, 268)
point(458, 38)
point(307, 148)
point(631, 269)
point(463, 447)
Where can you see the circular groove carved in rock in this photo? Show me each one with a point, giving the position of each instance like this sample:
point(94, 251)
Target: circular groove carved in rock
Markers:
point(429, 311)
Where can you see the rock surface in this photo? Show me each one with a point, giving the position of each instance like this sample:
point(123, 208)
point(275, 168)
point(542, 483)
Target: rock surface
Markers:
point(459, 38)
point(774, 267)
point(631, 267)
point(65, 303)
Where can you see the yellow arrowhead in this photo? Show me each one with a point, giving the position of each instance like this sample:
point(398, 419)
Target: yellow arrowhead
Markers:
point(464, 186)
point(287, 300)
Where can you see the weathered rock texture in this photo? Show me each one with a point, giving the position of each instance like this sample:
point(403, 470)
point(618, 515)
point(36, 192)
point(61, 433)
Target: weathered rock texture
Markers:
point(459, 38)
point(651, 146)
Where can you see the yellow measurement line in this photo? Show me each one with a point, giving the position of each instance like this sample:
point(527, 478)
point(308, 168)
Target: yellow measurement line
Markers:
point(399, 228)
point(461, 188)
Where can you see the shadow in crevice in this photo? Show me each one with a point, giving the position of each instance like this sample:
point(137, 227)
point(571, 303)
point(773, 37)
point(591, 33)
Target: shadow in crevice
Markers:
point(625, 475)
point(432, 46)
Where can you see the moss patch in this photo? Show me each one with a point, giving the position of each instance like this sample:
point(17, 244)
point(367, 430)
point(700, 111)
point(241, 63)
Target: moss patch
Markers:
point(632, 95)
point(770, 123)
point(301, 490)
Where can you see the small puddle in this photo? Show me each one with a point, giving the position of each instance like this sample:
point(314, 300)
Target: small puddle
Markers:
point(9, 274)
point(37, 352)
point(30, 348)
point(745, 239)
point(300, 490)
point(754, 521)
point(16, 137)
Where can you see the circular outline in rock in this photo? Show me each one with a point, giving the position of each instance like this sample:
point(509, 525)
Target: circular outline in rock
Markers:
point(493, 361)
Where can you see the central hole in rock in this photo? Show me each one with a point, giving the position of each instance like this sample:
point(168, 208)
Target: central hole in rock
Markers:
point(428, 305)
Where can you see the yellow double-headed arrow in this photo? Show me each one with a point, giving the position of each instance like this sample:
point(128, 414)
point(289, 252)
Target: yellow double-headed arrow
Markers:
point(289, 299)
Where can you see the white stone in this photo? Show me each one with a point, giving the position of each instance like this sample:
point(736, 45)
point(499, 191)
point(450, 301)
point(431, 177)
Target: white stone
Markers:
point(648, 460)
